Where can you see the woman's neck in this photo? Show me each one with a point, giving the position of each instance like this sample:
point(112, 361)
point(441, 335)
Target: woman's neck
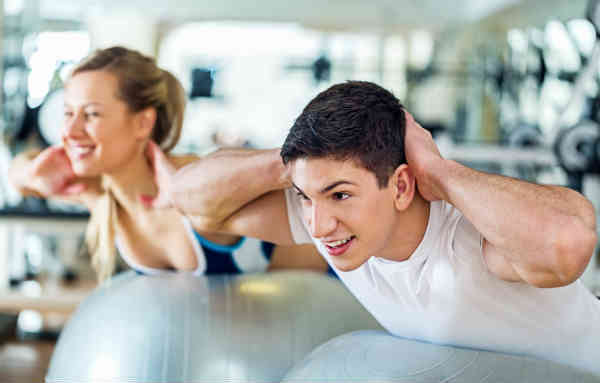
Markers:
point(130, 181)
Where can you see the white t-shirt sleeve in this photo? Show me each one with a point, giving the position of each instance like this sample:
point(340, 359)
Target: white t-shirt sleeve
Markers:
point(299, 232)
point(468, 242)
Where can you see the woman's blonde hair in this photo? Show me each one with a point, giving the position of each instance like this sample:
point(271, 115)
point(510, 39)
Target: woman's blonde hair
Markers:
point(142, 84)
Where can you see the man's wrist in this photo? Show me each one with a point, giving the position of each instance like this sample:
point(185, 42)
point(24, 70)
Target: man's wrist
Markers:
point(281, 171)
point(442, 175)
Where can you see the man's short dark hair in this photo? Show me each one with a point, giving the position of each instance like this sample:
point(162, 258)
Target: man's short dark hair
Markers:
point(356, 120)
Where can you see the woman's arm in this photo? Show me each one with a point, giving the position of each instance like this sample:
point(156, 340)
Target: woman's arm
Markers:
point(18, 173)
point(48, 174)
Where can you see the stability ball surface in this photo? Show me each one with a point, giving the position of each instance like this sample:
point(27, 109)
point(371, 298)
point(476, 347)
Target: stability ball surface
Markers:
point(377, 356)
point(222, 328)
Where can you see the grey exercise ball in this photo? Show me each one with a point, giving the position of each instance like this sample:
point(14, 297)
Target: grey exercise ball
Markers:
point(222, 328)
point(377, 356)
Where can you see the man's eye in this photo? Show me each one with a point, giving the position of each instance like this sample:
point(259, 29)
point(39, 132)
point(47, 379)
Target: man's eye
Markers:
point(340, 196)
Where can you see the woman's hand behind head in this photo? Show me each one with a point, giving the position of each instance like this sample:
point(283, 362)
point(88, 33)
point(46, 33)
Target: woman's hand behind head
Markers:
point(51, 174)
point(163, 172)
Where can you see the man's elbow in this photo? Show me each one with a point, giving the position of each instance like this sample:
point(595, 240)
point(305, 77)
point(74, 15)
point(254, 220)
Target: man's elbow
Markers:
point(573, 252)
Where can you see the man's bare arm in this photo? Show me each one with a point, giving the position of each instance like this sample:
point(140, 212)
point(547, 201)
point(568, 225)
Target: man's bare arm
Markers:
point(236, 191)
point(543, 235)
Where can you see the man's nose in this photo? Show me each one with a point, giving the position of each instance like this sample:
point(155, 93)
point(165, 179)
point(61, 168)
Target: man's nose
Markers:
point(322, 222)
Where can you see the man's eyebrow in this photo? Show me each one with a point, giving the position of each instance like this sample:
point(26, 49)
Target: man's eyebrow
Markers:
point(336, 184)
point(326, 188)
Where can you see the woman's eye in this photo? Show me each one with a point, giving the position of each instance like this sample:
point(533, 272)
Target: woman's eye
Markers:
point(302, 196)
point(68, 114)
point(340, 196)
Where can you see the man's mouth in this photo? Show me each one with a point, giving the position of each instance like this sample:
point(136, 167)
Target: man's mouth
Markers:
point(339, 247)
point(339, 243)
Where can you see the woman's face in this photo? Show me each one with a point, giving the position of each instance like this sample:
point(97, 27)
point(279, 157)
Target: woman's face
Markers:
point(99, 132)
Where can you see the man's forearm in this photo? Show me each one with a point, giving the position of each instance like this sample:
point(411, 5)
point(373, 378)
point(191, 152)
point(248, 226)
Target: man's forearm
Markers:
point(221, 183)
point(525, 219)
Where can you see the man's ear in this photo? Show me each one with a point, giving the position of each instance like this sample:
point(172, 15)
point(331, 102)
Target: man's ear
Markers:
point(403, 184)
point(145, 120)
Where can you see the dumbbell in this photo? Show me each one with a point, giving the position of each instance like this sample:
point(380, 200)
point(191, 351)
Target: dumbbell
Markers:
point(578, 148)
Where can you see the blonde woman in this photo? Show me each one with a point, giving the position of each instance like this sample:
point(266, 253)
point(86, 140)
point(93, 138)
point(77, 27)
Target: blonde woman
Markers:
point(116, 102)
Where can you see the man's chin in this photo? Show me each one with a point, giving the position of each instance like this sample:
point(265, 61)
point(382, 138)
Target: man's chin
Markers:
point(347, 265)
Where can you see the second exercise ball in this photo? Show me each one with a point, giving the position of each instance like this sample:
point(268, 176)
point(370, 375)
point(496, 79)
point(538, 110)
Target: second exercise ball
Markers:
point(377, 356)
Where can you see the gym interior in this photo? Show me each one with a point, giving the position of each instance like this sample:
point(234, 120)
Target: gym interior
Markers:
point(510, 87)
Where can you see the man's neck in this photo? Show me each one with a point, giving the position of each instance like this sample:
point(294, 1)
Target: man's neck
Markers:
point(412, 226)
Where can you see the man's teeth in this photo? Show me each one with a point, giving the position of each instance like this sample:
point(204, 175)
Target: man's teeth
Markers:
point(338, 243)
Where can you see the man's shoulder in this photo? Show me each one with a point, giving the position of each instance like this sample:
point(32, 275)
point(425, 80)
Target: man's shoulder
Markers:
point(452, 235)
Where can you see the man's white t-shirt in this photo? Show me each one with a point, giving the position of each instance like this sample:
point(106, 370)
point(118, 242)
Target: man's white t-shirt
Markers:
point(445, 294)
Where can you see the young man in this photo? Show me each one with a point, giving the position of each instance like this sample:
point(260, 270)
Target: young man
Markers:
point(434, 250)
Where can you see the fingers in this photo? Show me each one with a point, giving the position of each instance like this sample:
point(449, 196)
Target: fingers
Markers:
point(45, 155)
point(73, 189)
point(158, 159)
point(410, 120)
point(56, 149)
point(408, 117)
point(410, 124)
point(159, 156)
point(150, 149)
point(154, 152)
point(163, 170)
point(56, 152)
point(147, 200)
